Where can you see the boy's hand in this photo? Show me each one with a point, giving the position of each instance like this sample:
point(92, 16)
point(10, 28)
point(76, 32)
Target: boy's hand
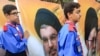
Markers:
point(26, 34)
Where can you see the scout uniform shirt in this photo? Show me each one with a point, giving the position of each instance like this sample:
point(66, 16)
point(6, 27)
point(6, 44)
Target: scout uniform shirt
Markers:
point(68, 41)
point(12, 38)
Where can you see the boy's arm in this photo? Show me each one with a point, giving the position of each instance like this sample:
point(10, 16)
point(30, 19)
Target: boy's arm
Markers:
point(1, 41)
point(66, 41)
point(69, 48)
point(11, 43)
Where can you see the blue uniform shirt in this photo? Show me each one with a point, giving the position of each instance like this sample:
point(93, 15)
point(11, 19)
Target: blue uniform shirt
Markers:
point(11, 40)
point(68, 41)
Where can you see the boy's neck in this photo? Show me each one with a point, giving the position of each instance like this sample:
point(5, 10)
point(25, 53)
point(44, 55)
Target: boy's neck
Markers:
point(72, 21)
point(12, 22)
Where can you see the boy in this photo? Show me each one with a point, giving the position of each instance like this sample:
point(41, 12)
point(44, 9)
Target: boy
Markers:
point(13, 38)
point(68, 40)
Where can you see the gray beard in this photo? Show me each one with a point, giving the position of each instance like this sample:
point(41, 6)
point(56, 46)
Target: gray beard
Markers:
point(46, 54)
point(91, 53)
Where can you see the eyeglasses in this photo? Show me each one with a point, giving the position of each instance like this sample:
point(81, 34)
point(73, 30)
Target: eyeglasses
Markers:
point(14, 13)
point(93, 41)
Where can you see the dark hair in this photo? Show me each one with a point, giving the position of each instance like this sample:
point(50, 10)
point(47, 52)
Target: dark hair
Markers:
point(69, 7)
point(8, 8)
point(91, 21)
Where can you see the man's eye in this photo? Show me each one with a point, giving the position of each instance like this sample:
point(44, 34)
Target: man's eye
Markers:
point(94, 39)
point(45, 40)
point(53, 37)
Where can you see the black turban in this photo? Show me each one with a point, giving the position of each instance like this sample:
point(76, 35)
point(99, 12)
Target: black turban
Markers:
point(44, 16)
point(91, 22)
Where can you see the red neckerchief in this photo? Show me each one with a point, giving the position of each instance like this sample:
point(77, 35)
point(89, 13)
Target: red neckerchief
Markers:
point(71, 26)
point(5, 28)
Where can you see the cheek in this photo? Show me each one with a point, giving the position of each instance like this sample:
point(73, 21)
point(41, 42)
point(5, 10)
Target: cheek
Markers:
point(93, 46)
point(55, 43)
point(12, 18)
point(98, 39)
point(77, 16)
point(46, 47)
point(87, 44)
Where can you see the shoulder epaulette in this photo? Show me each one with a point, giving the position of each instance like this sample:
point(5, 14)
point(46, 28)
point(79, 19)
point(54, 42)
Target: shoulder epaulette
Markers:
point(5, 28)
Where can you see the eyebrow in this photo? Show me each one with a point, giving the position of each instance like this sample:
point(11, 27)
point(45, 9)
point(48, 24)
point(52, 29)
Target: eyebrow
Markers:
point(53, 34)
point(50, 36)
point(43, 38)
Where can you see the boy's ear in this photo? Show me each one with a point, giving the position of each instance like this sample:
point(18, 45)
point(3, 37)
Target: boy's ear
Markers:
point(6, 14)
point(69, 15)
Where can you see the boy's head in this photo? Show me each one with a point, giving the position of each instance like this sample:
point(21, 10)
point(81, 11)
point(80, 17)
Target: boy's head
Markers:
point(72, 11)
point(11, 13)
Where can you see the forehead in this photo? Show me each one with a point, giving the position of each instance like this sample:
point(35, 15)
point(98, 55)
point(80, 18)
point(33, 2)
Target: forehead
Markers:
point(48, 31)
point(92, 33)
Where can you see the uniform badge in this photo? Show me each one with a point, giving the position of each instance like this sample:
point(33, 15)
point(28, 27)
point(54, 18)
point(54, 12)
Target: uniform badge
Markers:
point(79, 49)
point(16, 34)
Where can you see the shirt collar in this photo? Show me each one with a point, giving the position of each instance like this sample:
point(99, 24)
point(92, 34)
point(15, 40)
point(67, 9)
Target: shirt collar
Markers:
point(11, 24)
point(72, 26)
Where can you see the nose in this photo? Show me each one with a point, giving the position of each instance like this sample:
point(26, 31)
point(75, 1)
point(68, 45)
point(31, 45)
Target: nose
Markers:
point(94, 46)
point(50, 43)
point(17, 15)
